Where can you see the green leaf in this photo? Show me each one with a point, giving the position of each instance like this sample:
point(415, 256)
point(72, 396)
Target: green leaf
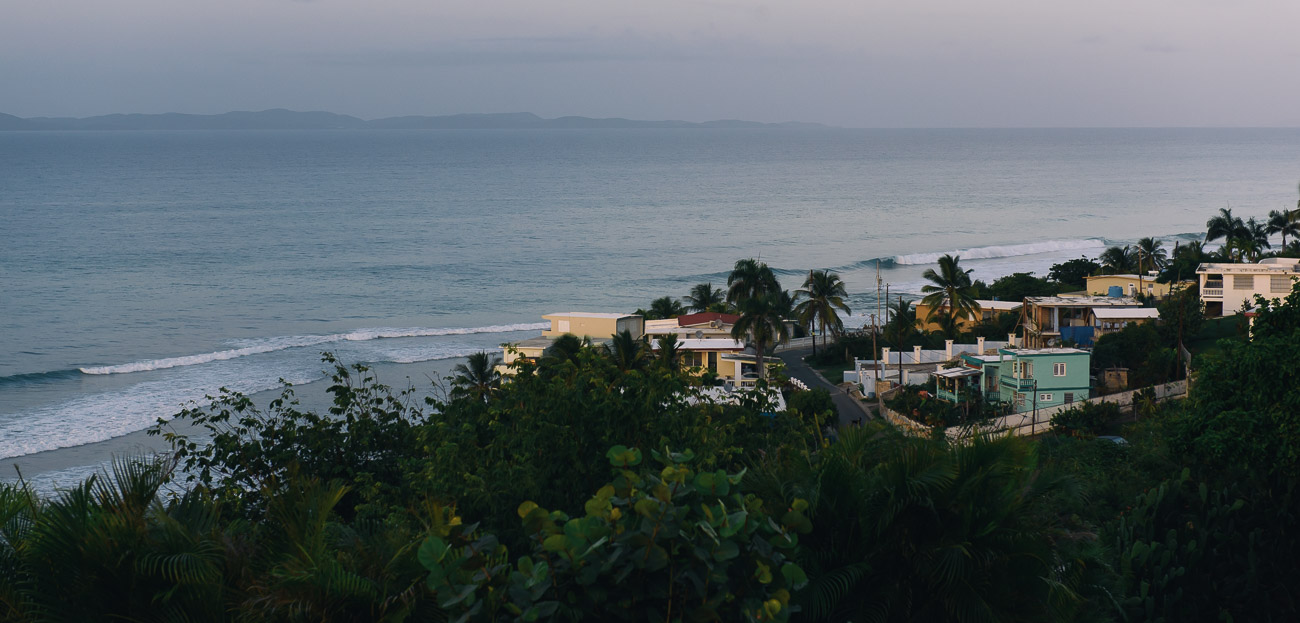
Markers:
point(431, 552)
point(794, 576)
point(622, 456)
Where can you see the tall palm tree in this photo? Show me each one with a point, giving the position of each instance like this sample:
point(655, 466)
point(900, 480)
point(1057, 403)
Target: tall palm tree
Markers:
point(1224, 225)
point(477, 377)
point(704, 297)
point(629, 353)
point(1151, 255)
point(822, 294)
point(951, 287)
point(900, 328)
point(664, 307)
point(762, 323)
point(748, 279)
point(1285, 223)
point(1118, 260)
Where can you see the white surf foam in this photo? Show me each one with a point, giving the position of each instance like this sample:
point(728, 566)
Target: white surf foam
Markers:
point(300, 341)
point(1000, 251)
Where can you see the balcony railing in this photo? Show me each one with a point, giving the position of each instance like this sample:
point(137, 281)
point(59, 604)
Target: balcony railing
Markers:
point(1016, 384)
point(1212, 293)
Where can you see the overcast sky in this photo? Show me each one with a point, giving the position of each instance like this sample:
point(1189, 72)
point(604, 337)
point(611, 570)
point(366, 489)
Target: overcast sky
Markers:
point(860, 63)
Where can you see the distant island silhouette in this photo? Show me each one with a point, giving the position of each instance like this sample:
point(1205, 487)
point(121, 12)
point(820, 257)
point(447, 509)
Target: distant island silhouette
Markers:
point(281, 119)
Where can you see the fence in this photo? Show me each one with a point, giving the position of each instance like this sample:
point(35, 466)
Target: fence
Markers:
point(1040, 421)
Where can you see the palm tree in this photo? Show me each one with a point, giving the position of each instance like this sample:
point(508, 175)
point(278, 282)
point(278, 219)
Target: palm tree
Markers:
point(951, 287)
point(1224, 225)
point(822, 293)
point(1285, 223)
point(1118, 260)
point(704, 297)
point(664, 307)
point(748, 279)
point(900, 328)
point(670, 353)
point(477, 377)
point(629, 353)
point(762, 323)
point(1151, 255)
point(1257, 233)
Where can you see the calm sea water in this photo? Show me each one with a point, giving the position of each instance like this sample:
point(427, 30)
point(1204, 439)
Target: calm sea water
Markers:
point(142, 270)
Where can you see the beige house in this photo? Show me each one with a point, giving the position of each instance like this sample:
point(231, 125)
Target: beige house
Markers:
point(707, 325)
point(1129, 285)
point(988, 309)
point(593, 324)
point(1229, 288)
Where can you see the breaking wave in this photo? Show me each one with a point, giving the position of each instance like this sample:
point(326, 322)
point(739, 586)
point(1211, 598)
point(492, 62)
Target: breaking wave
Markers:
point(269, 345)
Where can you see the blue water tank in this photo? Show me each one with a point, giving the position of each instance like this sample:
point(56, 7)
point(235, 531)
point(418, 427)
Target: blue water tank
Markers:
point(1115, 292)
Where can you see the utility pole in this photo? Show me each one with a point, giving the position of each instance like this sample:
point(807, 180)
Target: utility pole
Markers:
point(880, 369)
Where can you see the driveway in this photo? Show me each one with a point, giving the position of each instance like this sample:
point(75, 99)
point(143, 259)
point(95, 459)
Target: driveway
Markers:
point(849, 408)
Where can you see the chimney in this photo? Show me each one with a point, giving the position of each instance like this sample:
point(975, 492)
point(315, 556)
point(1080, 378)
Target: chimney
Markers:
point(884, 354)
point(916, 352)
point(1011, 339)
point(979, 346)
point(947, 347)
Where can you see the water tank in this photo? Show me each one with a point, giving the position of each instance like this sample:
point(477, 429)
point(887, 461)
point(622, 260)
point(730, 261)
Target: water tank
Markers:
point(1115, 292)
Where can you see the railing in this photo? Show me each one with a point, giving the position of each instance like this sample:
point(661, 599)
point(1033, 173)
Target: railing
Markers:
point(1214, 284)
point(1212, 292)
point(1016, 384)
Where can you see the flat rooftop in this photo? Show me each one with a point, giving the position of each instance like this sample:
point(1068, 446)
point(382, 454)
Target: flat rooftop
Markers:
point(1122, 313)
point(1082, 301)
point(1030, 352)
point(605, 315)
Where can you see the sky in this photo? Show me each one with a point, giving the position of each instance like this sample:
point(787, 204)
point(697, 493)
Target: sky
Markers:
point(853, 63)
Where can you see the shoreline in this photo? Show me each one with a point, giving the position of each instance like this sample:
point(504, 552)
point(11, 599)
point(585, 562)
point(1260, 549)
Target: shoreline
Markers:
point(50, 470)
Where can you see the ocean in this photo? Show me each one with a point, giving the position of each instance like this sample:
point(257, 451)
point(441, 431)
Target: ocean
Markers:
point(141, 270)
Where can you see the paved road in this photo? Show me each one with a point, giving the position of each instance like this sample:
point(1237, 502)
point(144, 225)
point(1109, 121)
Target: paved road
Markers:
point(850, 409)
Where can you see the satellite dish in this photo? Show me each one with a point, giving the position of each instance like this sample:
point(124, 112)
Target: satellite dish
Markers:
point(716, 323)
point(699, 335)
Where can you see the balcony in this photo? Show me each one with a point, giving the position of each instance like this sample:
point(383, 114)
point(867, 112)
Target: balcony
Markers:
point(1020, 385)
point(1212, 293)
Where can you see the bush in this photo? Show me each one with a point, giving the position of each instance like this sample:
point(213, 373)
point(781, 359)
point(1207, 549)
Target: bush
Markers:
point(1085, 420)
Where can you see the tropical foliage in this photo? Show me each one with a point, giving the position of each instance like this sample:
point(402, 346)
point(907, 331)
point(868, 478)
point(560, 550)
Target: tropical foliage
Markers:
point(820, 300)
point(950, 292)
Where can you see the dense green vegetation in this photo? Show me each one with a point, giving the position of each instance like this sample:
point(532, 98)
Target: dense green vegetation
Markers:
point(602, 483)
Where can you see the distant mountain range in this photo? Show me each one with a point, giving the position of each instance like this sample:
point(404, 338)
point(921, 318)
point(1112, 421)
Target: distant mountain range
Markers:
point(280, 119)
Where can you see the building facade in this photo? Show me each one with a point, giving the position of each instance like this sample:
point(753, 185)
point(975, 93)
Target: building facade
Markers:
point(1230, 288)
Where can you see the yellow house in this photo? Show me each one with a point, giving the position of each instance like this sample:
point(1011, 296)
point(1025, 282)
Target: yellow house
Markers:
point(988, 309)
point(594, 324)
point(1129, 285)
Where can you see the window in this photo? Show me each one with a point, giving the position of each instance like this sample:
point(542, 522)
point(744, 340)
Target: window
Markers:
point(1058, 369)
point(564, 326)
point(1069, 398)
point(1044, 398)
point(1020, 400)
point(1279, 283)
point(1132, 289)
point(1243, 282)
point(1027, 370)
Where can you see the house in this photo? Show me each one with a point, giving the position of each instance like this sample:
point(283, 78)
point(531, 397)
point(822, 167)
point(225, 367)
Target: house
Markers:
point(988, 309)
point(697, 326)
point(1051, 320)
point(1113, 319)
point(1129, 285)
point(594, 325)
point(597, 327)
point(1033, 378)
point(949, 382)
point(725, 357)
point(1229, 288)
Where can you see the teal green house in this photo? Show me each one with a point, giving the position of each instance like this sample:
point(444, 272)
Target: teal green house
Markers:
point(1030, 378)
